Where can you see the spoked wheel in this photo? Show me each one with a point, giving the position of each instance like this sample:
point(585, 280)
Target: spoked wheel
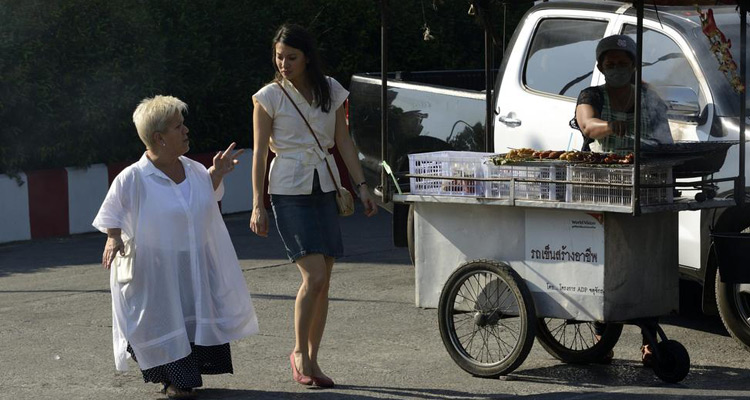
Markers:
point(575, 341)
point(486, 317)
point(673, 363)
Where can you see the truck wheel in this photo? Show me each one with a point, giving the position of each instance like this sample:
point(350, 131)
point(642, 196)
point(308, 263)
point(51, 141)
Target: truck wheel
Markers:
point(486, 318)
point(410, 234)
point(733, 301)
point(575, 341)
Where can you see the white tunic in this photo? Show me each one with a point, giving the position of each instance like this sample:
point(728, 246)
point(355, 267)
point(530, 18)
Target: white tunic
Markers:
point(187, 285)
point(297, 154)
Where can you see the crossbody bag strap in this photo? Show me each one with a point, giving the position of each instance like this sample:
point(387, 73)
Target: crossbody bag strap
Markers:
point(312, 133)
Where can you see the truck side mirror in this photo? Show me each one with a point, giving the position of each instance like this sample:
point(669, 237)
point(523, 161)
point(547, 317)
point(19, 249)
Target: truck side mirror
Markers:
point(682, 103)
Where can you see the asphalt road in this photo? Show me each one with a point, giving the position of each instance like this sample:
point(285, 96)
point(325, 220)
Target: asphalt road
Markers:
point(55, 334)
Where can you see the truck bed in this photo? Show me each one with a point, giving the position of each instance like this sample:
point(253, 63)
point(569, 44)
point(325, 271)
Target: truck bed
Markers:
point(428, 111)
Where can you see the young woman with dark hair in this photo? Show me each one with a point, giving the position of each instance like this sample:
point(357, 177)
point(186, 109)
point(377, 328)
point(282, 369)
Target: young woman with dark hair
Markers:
point(300, 117)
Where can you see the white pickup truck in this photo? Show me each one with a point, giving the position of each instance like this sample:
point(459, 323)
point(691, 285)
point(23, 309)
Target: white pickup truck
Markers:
point(549, 60)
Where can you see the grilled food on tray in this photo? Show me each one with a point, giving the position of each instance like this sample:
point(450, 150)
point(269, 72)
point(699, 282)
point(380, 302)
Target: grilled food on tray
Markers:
point(525, 154)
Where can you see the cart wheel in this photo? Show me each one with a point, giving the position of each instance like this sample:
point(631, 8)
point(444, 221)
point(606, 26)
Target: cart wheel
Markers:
point(484, 316)
point(673, 363)
point(575, 341)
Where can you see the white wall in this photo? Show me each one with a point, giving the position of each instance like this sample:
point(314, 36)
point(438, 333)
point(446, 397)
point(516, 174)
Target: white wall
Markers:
point(87, 188)
point(14, 209)
point(238, 186)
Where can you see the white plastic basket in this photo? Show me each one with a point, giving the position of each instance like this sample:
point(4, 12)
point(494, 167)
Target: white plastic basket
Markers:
point(525, 190)
point(453, 164)
point(582, 190)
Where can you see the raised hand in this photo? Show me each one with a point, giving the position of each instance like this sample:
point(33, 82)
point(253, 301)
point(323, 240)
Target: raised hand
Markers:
point(224, 161)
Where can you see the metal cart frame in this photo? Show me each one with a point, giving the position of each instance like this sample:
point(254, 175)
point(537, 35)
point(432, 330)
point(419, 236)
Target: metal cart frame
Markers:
point(510, 273)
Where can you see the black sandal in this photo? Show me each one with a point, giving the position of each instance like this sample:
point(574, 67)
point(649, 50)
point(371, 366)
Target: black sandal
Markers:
point(647, 356)
point(174, 392)
point(607, 358)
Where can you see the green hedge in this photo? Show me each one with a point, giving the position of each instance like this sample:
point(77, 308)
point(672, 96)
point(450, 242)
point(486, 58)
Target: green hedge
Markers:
point(72, 71)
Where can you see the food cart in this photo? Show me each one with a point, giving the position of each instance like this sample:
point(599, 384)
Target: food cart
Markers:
point(544, 249)
point(562, 251)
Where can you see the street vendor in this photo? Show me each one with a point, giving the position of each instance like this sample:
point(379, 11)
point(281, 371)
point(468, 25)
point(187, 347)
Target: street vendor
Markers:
point(605, 113)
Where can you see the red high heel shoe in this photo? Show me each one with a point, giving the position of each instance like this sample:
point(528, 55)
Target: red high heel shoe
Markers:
point(297, 376)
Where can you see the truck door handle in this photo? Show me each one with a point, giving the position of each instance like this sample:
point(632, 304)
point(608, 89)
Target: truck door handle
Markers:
point(510, 120)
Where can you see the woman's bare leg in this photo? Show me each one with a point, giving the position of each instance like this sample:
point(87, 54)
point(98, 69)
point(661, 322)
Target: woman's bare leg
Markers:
point(318, 324)
point(314, 282)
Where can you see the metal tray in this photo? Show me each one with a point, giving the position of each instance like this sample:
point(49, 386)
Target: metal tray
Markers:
point(695, 158)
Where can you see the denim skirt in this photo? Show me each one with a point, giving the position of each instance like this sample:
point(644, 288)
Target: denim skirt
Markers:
point(308, 223)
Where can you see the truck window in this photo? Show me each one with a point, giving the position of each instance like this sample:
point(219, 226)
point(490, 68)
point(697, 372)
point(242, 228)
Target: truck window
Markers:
point(664, 64)
point(562, 55)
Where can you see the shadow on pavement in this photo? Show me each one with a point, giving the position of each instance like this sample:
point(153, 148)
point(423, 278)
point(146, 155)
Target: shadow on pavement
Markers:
point(56, 291)
point(367, 392)
point(236, 394)
point(420, 393)
point(35, 255)
point(626, 373)
point(691, 315)
point(642, 377)
point(365, 240)
point(292, 298)
point(625, 396)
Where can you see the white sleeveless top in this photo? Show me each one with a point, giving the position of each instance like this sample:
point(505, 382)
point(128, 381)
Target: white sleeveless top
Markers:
point(297, 154)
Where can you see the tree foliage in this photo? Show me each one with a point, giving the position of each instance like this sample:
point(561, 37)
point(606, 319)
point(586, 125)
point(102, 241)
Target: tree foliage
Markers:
point(73, 71)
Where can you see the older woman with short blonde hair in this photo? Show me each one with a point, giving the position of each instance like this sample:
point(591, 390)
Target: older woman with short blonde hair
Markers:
point(187, 297)
point(153, 114)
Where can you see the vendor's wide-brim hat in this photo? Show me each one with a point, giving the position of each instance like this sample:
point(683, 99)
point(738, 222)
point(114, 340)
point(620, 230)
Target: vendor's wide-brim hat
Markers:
point(615, 42)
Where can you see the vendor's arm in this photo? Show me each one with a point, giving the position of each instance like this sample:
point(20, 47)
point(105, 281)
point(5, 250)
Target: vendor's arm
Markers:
point(594, 127)
point(348, 153)
point(262, 128)
point(113, 245)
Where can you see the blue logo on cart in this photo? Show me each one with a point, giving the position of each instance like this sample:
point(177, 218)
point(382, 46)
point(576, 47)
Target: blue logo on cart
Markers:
point(583, 224)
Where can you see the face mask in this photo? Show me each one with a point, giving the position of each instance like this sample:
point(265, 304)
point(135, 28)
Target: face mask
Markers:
point(617, 77)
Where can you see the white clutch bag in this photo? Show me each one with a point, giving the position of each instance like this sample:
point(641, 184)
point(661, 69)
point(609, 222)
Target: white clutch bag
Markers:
point(123, 264)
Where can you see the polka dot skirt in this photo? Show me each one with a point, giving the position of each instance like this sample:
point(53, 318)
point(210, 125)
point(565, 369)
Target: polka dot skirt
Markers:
point(186, 373)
